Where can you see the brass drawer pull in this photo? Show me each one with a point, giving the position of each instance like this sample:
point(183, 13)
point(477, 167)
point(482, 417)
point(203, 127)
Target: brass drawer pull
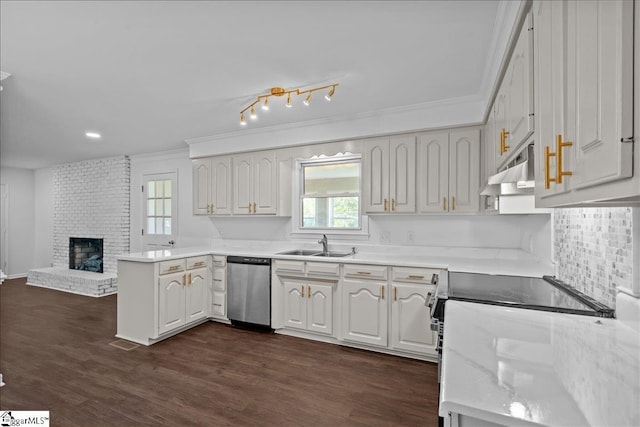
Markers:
point(547, 173)
point(190, 282)
point(453, 203)
point(444, 203)
point(385, 205)
point(174, 267)
point(395, 294)
point(364, 272)
point(199, 264)
point(417, 277)
point(382, 291)
point(393, 204)
point(184, 279)
point(559, 146)
point(309, 291)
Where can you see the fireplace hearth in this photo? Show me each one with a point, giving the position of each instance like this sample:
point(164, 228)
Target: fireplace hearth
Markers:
point(85, 254)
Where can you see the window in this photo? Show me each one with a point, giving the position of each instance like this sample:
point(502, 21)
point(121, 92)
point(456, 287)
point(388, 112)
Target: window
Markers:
point(159, 207)
point(330, 194)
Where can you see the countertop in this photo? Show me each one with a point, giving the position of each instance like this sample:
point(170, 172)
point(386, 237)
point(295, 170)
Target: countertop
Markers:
point(473, 260)
point(522, 367)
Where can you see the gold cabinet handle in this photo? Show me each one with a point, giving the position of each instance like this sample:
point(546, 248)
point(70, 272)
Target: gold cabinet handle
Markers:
point(190, 282)
point(198, 264)
point(444, 203)
point(174, 267)
point(249, 207)
point(547, 173)
point(364, 272)
point(503, 141)
point(213, 208)
point(184, 279)
point(453, 203)
point(393, 204)
point(302, 291)
point(309, 291)
point(411, 276)
point(254, 207)
point(559, 146)
point(395, 294)
point(382, 291)
point(385, 205)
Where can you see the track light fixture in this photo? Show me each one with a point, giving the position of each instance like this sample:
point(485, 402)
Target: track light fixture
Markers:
point(278, 91)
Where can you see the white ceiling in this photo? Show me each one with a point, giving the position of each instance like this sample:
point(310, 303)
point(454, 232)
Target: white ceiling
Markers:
point(149, 75)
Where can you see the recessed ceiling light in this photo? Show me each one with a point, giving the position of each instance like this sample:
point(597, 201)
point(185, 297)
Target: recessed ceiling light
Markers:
point(93, 135)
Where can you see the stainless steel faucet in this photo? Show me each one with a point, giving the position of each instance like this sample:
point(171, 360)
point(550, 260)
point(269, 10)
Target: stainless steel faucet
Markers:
point(325, 244)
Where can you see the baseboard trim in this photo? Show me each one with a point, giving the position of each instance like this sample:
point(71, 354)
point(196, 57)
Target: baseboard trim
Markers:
point(17, 276)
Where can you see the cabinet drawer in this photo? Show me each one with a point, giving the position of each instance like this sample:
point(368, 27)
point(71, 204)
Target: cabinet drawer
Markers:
point(366, 271)
point(285, 266)
point(197, 262)
point(172, 266)
point(219, 279)
point(323, 268)
point(414, 275)
point(219, 260)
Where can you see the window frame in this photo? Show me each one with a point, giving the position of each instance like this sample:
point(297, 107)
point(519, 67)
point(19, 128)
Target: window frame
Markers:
point(298, 195)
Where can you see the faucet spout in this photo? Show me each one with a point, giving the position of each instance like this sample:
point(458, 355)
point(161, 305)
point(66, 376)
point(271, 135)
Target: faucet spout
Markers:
point(325, 244)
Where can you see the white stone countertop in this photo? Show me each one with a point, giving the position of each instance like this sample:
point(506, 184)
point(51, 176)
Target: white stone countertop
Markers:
point(473, 260)
point(521, 367)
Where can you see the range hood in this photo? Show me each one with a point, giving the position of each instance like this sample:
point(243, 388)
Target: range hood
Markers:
point(511, 191)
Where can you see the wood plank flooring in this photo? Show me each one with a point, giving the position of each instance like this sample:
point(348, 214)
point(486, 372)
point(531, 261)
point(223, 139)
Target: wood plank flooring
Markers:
point(55, 355)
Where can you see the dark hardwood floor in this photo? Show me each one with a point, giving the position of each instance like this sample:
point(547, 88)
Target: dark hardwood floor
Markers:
point(55, 355)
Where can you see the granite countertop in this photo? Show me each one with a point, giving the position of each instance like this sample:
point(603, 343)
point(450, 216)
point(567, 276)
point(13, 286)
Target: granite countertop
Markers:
point(473, 260)
point(522, 367)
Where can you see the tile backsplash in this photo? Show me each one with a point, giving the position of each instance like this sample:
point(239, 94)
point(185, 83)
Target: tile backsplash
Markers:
point(593, 250)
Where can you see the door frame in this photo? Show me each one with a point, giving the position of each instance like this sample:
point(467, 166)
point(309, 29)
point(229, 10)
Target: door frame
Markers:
point(145, 177)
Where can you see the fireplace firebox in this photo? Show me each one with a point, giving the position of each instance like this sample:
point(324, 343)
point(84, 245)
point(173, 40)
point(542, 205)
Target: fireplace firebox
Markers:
point(85, 254)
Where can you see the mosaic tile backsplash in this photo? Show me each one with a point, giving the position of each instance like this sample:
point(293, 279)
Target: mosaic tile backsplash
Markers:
point(593, 250)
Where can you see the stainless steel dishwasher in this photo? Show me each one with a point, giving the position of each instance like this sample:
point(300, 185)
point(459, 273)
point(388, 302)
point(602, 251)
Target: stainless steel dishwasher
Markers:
point(249, 291)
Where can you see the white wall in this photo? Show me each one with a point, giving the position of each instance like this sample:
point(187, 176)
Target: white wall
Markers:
point(43, 218)
point(21, 235)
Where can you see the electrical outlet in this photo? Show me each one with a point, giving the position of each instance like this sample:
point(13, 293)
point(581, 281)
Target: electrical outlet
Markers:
point(411, 236)
point(385, 237)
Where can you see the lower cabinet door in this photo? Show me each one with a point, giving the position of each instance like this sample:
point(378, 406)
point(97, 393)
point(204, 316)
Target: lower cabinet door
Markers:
point(364, 311)
point(320, 308)
point(295, 304)
point(171, 300)
point(196, 294)
point(411, 320)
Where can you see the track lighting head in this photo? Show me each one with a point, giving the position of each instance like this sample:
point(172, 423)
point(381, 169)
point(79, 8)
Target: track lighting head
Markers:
point(253, 114)
point(265, 106)
point(289, 101)
point(307, 101)
point(330, 94)
point(243, 121)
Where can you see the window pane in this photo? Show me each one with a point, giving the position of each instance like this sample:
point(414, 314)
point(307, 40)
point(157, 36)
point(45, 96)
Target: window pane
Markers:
point(167, 226)
point(151, 226)
point(159, 188)
point(167, 188)
point(167, 207)
point(159, 226)
point(151, 189)
point(159, 210)
point(327, 179)
point(331, 212)
point(151, 208)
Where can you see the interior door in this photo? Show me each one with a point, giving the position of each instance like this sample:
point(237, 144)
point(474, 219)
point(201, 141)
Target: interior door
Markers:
point(160, 219)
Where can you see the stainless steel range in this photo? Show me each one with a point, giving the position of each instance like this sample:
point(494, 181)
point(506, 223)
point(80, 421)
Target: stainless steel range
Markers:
point(534, 293)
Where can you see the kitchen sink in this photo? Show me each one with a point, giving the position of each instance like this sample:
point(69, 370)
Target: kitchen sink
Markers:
point(333, 254)
point(301, 252)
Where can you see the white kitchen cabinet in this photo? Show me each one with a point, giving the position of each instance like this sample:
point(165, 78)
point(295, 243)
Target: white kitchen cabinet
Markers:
point(410, 318)
point(255, 183)
point(171, 297)
point(516, 103)
point(159, 299)
point(584, 86)
point(212, 186)
point(449, 177)
point(219, 288)
point(389, 175)
point(364, 311)
point(308, 305)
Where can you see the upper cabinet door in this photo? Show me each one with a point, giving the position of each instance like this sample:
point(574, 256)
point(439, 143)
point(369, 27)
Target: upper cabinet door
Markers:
point(519, 88)
point(464, 171)
point(402, 174)
point(433, 175)
point(221, 185)
point(376, 173)
point(242, 184)
point(501, 149)
point(600, 90)
point(265, 197)
point(201, 186)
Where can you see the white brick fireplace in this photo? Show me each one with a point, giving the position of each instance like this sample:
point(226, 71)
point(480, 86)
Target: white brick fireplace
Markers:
point(91, 200)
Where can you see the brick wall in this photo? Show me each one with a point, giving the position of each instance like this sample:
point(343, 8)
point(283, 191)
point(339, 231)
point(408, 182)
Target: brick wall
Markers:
point(91, 199)
point(593, 250)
